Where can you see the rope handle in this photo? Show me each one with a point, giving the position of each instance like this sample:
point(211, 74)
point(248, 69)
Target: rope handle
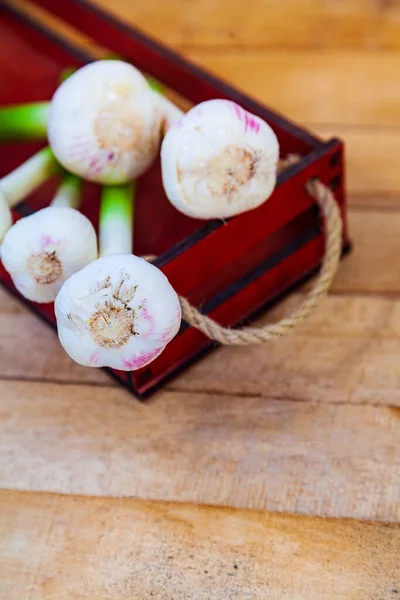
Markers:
point(333, 246)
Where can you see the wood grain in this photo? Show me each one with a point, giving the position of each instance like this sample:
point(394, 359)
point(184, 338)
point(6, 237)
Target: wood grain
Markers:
point(29, 349)
point(371, 268)
point(278, 455)
point(292, 25)
point(369, 25)
point(371, 163)
point(346, 88)
point(347, 353)
point(309, 424)
point(302, 84)
point(86, 548)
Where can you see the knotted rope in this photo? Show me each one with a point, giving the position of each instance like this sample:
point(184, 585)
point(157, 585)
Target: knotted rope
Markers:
point(333, 245)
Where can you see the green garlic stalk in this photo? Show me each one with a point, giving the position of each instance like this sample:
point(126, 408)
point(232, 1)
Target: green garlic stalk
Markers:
point(116, 219)
point(21, 182)
point(24, 122)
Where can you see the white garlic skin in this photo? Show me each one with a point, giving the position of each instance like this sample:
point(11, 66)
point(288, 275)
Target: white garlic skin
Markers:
point(105, 122)
point(41, 251)
point(120, 312)
point(218, 161)
point(171, 114)
point(5, 215)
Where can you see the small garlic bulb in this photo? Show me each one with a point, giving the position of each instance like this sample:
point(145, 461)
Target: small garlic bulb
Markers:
point(218, 161)
point(119, 311)
point(105, 122)
point(5, 214)
point(41, 251)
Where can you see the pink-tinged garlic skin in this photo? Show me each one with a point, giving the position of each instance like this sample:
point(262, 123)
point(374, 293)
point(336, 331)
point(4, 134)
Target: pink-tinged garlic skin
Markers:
point(105, 123)
point(41, 251)
point(218, 161)
point(120, 312)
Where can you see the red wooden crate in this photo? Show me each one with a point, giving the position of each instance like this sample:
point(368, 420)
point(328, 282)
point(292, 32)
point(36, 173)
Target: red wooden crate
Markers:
point(232, 269)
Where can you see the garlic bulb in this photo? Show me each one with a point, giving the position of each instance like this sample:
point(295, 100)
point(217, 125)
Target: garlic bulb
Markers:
point(21, 182)
point(218, 161)
point(119, 311)
point(105, 122)
point(41, 251)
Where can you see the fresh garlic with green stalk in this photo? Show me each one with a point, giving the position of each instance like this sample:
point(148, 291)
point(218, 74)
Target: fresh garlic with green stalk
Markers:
point(30, 121)
point(105, 122)
point(21, 182)
point(120, 311)
point(24, 121)
point(218, 161)
point(41, 251)
point(27, 121)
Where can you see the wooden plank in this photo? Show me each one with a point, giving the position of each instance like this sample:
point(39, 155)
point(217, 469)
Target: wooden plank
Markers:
point(30, 350)
point(381, 200)
point(371, 267)
point(372, 169)
point(347, 353)
point(295, 24)
point(314, 87)
point(301, 84)
point(277, 455)
point(369, 25)
point(62, 547)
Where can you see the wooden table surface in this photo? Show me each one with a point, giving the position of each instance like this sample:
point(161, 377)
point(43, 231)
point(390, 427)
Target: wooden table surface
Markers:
point(261, 473)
